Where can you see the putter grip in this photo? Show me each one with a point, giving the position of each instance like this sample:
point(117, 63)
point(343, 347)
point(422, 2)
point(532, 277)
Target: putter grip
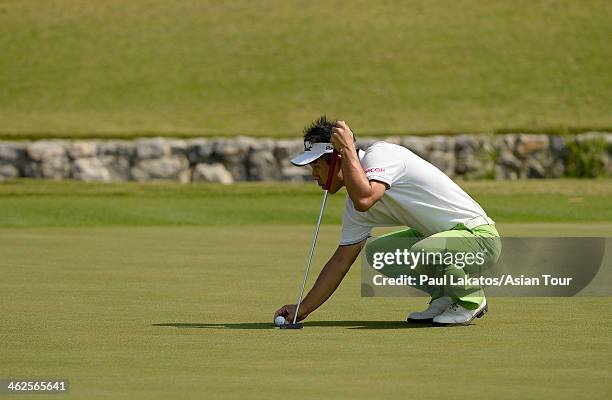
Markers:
point(332, 167)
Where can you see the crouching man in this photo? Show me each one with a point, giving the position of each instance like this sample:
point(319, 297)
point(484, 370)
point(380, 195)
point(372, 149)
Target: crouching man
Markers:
point(388, 185)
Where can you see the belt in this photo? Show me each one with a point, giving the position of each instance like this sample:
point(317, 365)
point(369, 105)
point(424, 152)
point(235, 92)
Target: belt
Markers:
point(474, 222)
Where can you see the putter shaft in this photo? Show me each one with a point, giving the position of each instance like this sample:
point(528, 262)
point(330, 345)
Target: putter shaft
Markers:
point(312, 246)
point(328, 182)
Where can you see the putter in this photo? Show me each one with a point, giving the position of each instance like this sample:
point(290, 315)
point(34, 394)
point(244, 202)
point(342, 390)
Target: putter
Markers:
point(330, 178)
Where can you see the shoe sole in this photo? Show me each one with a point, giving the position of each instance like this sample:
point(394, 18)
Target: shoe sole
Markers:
point(479, 314)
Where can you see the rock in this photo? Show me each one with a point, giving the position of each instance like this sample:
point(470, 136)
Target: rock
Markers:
point(82, 149)
point(469, 166)
point(45, 150)
point(608, 140)
point(557, 146)
point(504, 143)
point(118, 167)
point(366, 142)
point(441, 143)
point(50, 160)
point(262, 166)
point(502, 173)
point(56, 168)
point(393, 140)
point(245, 158)
point(590, 136)
point(287, 149)
point(30, 169)
point(556, 169)
point(535, 169)
point(177, 147)
point(466, 143)
point(199, 151)
point(418, 145)
point(8, 171)
point(121, 148)
point(508, 160)
point(466, 158)
point(263, 144)
point(284, 151)
point(168, 168)
point(529, 144)
point(152, 148)
point(444, 161)
point(474, 157)
point(485, 144)
point(214, 173)
point(12, 152)
point(233, 154)
point(292, 173)
point(233, 149)
point(90, 170)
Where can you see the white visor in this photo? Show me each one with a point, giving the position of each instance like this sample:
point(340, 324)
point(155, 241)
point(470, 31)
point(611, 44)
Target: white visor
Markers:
point(312, 151)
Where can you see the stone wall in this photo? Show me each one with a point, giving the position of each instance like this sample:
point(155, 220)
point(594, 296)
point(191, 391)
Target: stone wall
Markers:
point(509, 156)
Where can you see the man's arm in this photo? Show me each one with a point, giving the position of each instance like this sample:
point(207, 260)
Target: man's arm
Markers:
point(363, 192)
point(330, 277)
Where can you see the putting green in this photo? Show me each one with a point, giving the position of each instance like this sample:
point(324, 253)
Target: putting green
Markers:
point(150, 312)
point(93, 292)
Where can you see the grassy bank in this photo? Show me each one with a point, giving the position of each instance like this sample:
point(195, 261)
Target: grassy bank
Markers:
point(151, 67)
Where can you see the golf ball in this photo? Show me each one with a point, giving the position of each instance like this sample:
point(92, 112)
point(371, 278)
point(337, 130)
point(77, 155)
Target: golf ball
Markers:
point(280, 320)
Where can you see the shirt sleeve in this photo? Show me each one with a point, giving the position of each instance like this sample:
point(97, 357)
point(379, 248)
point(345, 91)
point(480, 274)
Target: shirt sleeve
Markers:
point(353, 231)
point(379, 164)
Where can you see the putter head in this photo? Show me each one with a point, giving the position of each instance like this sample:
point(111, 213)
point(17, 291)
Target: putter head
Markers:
point(297, 325)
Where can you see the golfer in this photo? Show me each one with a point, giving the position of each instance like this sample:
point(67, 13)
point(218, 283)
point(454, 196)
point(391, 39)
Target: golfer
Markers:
point(388, 185)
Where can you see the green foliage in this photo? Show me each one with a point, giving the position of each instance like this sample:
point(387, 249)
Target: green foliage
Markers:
point(586, 158)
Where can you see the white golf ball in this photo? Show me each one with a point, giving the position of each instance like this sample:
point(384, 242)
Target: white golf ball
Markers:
point(280, 320)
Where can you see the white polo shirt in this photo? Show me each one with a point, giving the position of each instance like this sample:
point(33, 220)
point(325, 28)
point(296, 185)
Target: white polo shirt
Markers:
point(419, 196)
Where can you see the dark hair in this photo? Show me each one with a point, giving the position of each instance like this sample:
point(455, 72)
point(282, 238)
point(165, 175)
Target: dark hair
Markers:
point(319, 131)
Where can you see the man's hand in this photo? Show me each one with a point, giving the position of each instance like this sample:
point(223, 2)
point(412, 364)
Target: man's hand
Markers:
point(342, 137)
point(288, 311)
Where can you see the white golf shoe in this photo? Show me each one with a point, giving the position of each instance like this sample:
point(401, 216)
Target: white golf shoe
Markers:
point(459, 315)
point(436, 307)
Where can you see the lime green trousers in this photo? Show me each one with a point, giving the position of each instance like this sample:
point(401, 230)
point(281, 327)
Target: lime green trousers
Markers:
point(482, 241)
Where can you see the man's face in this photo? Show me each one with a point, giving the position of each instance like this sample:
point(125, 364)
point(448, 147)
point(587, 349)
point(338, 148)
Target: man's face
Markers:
point(320, 168)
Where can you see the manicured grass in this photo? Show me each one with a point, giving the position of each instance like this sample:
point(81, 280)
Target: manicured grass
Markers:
point(27, 203)
point(91, 291)
point(184, 312)
point(75, 68)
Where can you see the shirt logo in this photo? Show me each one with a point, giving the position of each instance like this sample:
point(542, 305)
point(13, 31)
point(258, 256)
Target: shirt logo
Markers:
point(376, 169)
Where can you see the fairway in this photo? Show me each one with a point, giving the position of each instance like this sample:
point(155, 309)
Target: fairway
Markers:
point(125, 309)
point(166, 67)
